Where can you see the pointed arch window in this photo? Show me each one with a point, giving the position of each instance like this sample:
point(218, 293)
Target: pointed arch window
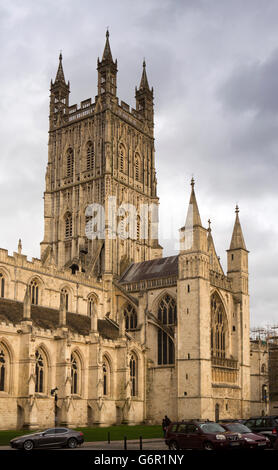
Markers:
point(66, 293)
point(40, 372)
point(104, 371)
point(34, 292)
point(90, 156)
point(130, 317)
point(68, 226)
point(133, 375)
point(167, 315)
point(91, 305)
point(218, 327)
point(106, 377)
point(2, 285)
point(3, 369)
point(264, 393)
point(75, 374)
point(69, 163)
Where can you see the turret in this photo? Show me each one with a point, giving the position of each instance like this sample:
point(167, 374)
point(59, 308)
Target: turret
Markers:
point(238, 259)
point(193, 333)
point(144, 97)
point(107, 72)
point(238, 273)
point(59, 97)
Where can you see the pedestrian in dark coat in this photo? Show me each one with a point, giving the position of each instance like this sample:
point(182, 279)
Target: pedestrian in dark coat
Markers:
point(165, 423)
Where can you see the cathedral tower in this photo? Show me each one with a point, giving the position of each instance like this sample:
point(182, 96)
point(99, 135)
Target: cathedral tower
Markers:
point(99, 150)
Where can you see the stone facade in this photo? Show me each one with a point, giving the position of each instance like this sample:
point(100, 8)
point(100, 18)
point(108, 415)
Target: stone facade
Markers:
point(260, 375)
point(117, 332)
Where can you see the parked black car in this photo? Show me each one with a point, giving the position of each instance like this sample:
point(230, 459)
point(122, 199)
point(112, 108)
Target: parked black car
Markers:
point(266, 425)
point(202, 435)
point(54, 437)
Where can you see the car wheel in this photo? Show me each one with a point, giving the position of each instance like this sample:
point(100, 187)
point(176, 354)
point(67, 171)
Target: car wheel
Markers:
point(72, 443)
point(28, 445)
point(173, 445)
point(208, 446)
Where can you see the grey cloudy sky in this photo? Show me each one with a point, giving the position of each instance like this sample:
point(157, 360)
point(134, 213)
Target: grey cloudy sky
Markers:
point(214, 68)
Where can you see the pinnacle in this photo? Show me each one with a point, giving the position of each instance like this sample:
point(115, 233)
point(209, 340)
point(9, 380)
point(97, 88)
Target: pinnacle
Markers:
point(193, 215)
point(237, 240)
point(107, 54)
point(144, 85)
point(60, 77)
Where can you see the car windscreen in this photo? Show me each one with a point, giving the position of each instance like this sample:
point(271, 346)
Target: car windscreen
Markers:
point(211, 428)
point(237, 427)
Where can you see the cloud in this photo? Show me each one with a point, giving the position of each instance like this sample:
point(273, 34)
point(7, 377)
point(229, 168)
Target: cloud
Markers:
point(252, 87)
point(213, 66)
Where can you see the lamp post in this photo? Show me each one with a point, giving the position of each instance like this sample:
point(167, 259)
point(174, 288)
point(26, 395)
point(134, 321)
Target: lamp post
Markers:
point(54, 393)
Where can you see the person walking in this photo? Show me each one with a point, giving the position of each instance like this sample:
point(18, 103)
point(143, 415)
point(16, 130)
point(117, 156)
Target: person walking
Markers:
point(165, 423)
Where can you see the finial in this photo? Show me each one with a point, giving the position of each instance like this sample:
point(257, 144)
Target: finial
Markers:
point(19, 247)
point(107, 32)
point(237, 209)
point(209, 227)
point(60, 56)
point(144, 63)
point(192, 182)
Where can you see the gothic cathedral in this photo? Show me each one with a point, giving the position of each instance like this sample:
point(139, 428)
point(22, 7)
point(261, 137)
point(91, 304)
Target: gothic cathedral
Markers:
point(117, 332)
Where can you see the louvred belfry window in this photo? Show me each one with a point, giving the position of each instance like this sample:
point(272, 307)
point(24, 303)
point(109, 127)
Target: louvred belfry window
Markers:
point(68, 227)
point(121, 158)
point(90, 156)
point(69, 163)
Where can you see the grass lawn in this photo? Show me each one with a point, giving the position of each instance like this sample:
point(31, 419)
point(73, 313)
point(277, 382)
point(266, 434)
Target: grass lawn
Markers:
point(99, 434)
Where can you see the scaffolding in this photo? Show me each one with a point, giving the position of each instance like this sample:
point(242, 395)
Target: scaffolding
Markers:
point(268, 334)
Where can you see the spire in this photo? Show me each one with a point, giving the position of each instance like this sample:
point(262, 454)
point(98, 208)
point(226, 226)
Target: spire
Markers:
point(237, 237)
point(107, 73)
point(193, 216)
point(144, 85)
point(60, 77)
point(107, 55)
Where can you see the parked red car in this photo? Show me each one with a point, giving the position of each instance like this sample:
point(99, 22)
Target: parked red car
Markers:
point(202, 435)
point(250, 439)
